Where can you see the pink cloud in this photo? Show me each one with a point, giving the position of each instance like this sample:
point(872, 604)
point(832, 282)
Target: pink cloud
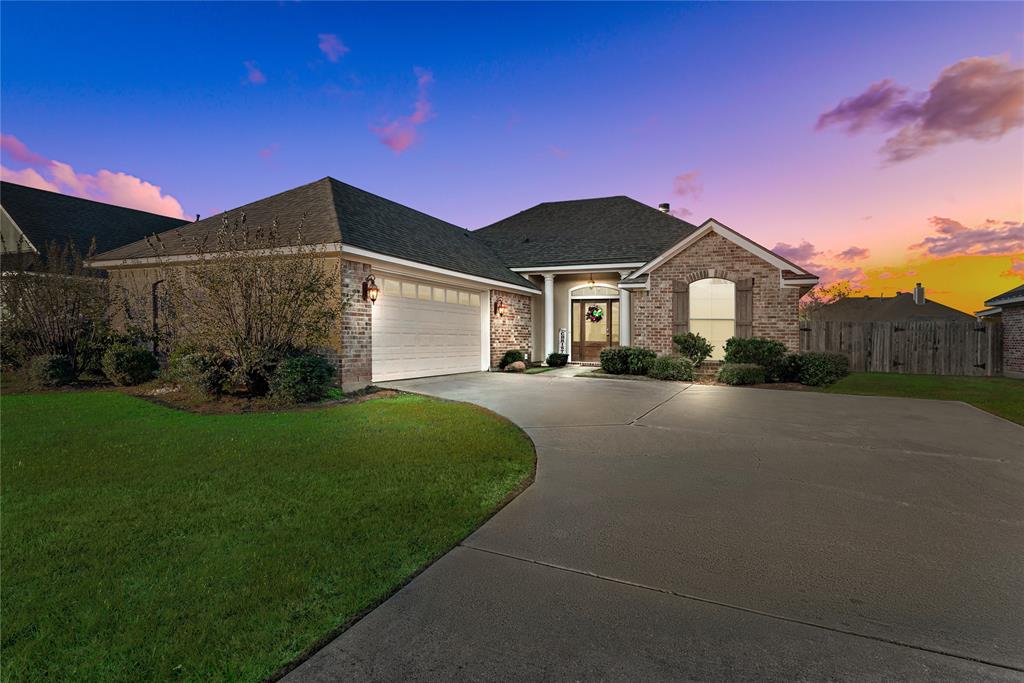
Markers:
point(558, 151)
point(681, 212)
point(19, 152)
point(269, 151)
point(797, 254)
point(853, 254)
point(688, 184)
point(1016, 268)
point(253, 74)
point(111, 187)
point(954, 238)
point(401, 133)
point(331, 46)
point(978, 98)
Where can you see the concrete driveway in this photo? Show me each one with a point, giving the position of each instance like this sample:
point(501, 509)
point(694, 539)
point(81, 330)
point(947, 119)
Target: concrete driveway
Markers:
point(704, 533)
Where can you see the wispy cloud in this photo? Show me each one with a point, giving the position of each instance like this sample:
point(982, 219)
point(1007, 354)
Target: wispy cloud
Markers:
point(253, 75)
point(954, 238)
point(558, 152)
point(331, 46)
point(401, 133)
point(853, 254)
point(979, 98)
point(829, 267)
point(798, 254)
point(269, 151)
point(1016, 268)
point(688, 184)
point(113, 187)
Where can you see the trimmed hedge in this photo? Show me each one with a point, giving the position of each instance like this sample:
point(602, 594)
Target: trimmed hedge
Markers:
point(127, 365)
point(790, 369)
point(626, 360)
point(302, 378)
point(818, 368)
point(511, 356)
point(693, 346)
point(51, 370)
point(557, 360)
point(675, 368)
point(639, 359)
point(201, 371)
point(767, 353)
point(741, 373)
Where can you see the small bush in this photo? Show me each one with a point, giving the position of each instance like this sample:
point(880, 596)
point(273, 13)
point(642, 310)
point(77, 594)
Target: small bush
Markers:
point(557, 360)
point(614, 360)
point(301, 379)
point(820, 368)
point(639, 359)
point(51, 370)
point(674, 368)
point(127, 365)
point(741, 373)
point(693, 346)
point(511, 356)
point(790, 369)
point(767, 353)
point(204, 372)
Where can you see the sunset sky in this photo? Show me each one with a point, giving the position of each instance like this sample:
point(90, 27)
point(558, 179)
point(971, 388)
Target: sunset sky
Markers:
point(877, 142)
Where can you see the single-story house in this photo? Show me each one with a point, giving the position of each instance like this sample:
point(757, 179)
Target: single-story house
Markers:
point(573, 276)
point(30, 219)
point(1008, 307)
point(903, 306)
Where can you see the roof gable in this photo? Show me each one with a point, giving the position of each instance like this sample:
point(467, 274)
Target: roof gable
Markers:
point(1015, 295)
point(887, 309)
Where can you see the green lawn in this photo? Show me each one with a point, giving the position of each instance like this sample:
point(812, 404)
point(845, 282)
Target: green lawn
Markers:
point(145, 543)
point(999, 395)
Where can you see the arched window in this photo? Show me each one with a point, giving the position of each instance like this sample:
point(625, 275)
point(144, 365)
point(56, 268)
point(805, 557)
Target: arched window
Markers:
point(713, 312)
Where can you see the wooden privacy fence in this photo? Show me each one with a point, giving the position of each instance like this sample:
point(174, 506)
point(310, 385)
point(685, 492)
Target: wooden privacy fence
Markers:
point(927, 347)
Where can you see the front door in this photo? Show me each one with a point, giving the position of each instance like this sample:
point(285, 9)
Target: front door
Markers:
point(595, 326)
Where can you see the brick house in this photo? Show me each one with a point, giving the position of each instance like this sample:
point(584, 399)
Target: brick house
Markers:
point(573, 277)
point(1008, 307)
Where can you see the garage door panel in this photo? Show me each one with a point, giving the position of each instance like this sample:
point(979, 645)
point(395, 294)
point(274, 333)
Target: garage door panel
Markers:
point(421, 335)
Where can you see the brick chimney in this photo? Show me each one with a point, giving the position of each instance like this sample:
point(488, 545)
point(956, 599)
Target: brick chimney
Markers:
point(664, 208)
point(919, 294)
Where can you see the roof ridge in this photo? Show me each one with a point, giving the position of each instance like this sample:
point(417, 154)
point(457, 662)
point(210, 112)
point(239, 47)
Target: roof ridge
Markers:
point(404, 206)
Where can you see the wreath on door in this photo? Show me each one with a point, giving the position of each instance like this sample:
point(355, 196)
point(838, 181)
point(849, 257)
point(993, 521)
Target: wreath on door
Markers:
point(595, 314)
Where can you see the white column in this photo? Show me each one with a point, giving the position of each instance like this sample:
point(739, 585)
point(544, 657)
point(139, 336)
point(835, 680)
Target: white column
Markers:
point(624, 313)
point(549, 314)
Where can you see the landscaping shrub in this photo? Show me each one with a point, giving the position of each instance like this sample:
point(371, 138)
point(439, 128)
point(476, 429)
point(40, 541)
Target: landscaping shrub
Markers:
point(302, 378)
point(820, 368)
point(614, 360)
point(557, 360)
point(767, 353)
point(693, 346)
point(51, 370)
point(675, 368)
point(639, 359)
point(511, 356)
point(201, 371)
point(741, 373)
point(790, 369)
point(127, 365)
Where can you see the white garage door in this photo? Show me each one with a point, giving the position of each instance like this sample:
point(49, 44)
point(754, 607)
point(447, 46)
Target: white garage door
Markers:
point(422, 329)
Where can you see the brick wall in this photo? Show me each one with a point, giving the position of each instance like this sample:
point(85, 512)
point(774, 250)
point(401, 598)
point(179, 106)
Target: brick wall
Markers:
point(1013, 341)
point(515, 330)
point(775, 308)
point(355, 370)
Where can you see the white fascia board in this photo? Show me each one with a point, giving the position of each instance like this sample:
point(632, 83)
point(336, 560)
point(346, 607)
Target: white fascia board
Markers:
point(348, 250)
point(585, 267)
point(636, 285)
point(739, 240)
point(332, 248)
point(1019, 299)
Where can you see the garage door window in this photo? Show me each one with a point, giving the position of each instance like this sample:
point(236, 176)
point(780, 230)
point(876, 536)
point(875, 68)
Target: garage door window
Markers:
point(413, 290)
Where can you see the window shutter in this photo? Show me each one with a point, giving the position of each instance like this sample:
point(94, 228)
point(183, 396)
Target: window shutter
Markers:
point(745, 307)
point(680, 307)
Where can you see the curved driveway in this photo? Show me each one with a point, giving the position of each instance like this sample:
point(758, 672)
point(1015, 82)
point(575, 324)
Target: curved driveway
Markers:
point(703, 533)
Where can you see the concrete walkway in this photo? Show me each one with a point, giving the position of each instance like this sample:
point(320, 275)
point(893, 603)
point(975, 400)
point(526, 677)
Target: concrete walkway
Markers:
point(692, 532)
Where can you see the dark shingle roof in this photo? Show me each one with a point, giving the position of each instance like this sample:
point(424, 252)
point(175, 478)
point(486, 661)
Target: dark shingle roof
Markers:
point(1014, 293)
point(330, 212)
point(49, 216)
point(887, 309)
point(581, 231)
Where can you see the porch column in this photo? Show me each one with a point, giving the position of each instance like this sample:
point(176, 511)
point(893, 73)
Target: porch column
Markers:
point(624, 313)
point(549, 314)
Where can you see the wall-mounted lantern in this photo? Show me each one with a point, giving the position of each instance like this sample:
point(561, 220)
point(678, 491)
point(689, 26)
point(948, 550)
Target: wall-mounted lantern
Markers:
point(370, 290)
point(500, 308)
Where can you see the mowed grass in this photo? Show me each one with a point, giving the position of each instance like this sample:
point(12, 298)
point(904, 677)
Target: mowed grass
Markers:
point(1001, 396)
point(145, 543)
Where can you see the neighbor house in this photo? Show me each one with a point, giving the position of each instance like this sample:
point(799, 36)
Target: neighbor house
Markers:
point(30, 219)
point(902, 307)
point(1008, 308)
point(573, 276)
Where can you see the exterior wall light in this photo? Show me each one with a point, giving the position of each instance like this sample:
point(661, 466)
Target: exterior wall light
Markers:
point(501, 308)
point(370, 290)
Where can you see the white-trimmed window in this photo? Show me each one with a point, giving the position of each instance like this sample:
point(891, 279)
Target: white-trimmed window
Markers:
point(713, 312)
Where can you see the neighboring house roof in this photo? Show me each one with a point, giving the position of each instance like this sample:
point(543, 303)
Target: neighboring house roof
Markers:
point(886, 309)
point(584, 231)
point(1014, 296)
point(332, 212)
point(45, 217)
